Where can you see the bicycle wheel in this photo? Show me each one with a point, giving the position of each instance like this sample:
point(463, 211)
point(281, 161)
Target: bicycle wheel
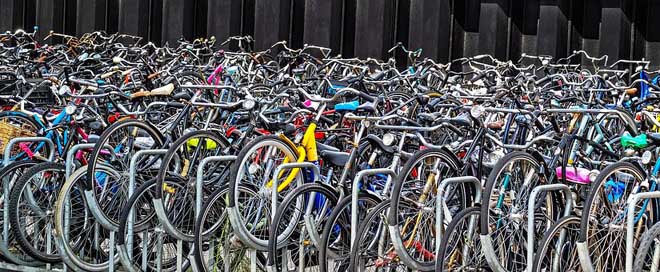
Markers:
point(81, 240)
point(373, 249)
point(335, 247)
point(31, 203)
point(557, 250)
point(648, 253)
point(503, 218)
point(417, 182)
point(603, 224)
point(460, 247)
point(254, 168)
point(110, 192)
point(216, 246)
point(9, 247)
point(181, 164)
point(145, 247)
point(297, 228)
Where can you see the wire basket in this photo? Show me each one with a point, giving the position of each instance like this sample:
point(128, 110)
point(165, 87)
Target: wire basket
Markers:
point(10, 131)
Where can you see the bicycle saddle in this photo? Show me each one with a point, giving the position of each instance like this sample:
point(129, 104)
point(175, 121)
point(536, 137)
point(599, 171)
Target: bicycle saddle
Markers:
point(654, 138)
point(336, 158)
point(160, 91)
point(324, 147)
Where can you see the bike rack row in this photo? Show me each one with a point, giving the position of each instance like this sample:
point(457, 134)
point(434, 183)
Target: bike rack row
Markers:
point(126, 253)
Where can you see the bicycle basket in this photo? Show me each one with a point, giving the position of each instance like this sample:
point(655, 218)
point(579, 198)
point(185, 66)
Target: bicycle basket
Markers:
point(10, 131)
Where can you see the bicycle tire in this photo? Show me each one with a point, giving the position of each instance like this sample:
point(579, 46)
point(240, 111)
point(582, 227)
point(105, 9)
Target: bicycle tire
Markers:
point(15, 217)
point(453, 166)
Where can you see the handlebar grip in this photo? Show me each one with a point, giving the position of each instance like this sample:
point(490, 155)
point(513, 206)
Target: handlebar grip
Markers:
point(176, 104)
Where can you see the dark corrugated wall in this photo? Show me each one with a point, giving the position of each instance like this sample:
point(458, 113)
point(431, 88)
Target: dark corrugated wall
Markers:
point(445, 29)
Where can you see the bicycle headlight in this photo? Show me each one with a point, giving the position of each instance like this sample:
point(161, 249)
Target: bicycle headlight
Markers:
point(63, 90)
point(388, 139)
point(593, 174)
point(646, 157)
point(70, 109)
point(249, 104)
point(477, 111)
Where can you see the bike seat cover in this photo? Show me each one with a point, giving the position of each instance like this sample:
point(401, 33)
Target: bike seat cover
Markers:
point(496, 125)
point(347, 106)
point(638, 142)
point(160, 91)
point(164, 90)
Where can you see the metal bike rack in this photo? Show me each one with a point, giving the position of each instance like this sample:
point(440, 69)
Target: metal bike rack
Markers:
point(530, 213)
point(69, 168)
point(440, 203)
point(70, 156)
point(583, 255)
point(125, 256)
point(12, 142)
point(440, 207)
point(583, 247)
point(274, 192)
point(488, 250)
point(630, 224)
point(23, 265)
point(199, 197)
point(355, 195)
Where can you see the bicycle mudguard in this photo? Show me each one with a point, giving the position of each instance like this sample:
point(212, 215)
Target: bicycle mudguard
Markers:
point(637, 142)
point(287, 141)
point(292, 175)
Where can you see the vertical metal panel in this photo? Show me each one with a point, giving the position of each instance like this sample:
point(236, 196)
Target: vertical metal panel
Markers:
point(374, 27)
point(527, 21)
point(430, 28)
point(112, 15)
point(200, 16)
point(323, 23)
point(271, 22)
point(8, 12)
point(223, 18)
point(640, 21)
point(49, 14)
point(247, 12)
point(348, 28)
point(651, 34)
point(70, 14)
point(177, 18)
point(132, 19)
point(493, 28)
point(466, 28)
point(91, 15)
point(552, 29)
point(296, 23)
point(29, 15)
point(615, 30)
